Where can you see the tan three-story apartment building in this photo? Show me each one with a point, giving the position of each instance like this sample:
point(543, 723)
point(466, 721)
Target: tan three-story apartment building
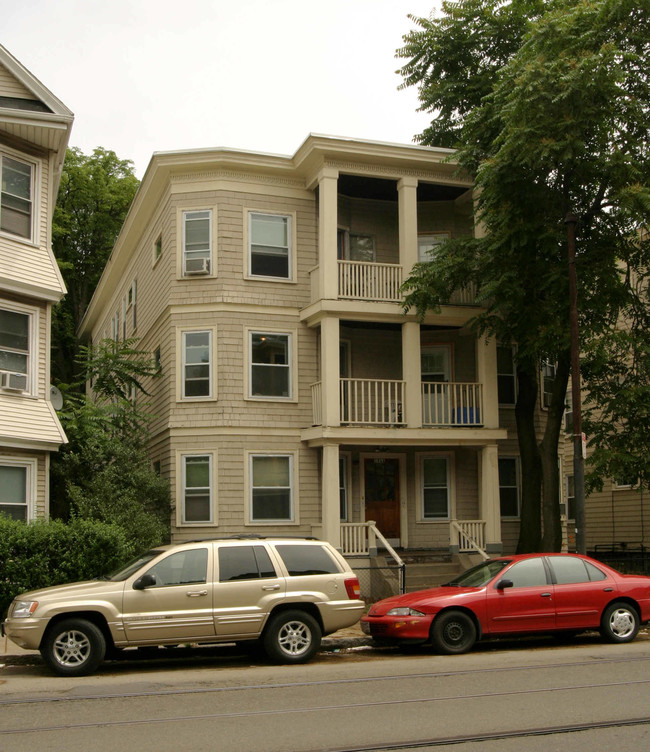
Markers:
point(294, 396)
point(34, 132)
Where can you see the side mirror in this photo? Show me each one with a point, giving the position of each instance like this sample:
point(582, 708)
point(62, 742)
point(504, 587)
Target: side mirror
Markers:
point(147, 580)
point(504, 583)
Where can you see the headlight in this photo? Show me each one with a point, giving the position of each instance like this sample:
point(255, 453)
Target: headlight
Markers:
point(403, 611)
point(22, 609)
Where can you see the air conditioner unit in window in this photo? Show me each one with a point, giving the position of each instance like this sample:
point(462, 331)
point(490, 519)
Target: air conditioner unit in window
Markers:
point(197, 266)
point(15, 382)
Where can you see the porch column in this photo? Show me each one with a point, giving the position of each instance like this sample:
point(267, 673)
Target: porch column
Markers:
point(408, 223)
point(489, 503)
point(327, 230)
point(412, 374)
point(486, 367)
point(331, 507)
point(330, 371)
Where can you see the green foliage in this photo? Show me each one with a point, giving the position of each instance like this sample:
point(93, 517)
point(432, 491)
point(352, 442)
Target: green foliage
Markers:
point(94, 196)
point(44, 553)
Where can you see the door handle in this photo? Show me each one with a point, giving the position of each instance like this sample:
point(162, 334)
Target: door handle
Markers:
point(270, 587)
point(608, 590)
point(196, 593)
point(546, 595)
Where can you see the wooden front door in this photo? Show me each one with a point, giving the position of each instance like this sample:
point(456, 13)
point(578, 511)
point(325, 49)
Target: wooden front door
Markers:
point(381, 483)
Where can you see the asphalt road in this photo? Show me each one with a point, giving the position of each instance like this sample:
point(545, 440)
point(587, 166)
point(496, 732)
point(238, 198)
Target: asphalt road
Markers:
point(528, 695)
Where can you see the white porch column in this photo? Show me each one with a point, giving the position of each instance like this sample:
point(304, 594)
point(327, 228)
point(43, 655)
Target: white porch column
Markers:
point(330, 371)
point(489, 503)
point(327, 231)
point(331, 508)
point(486, 367)
point(412, 373)
point(408, 223)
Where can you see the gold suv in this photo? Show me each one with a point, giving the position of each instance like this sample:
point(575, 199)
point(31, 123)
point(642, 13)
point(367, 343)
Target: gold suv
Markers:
point(285, 593)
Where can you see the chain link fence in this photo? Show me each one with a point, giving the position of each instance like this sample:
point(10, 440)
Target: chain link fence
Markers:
point(379, 581)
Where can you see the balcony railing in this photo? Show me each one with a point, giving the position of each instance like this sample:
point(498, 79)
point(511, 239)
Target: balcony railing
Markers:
point(452, 404)
point(372, 402)
point(370, 281)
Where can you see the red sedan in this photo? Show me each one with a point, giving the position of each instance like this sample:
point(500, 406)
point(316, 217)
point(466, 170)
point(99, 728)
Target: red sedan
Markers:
point(516, 595)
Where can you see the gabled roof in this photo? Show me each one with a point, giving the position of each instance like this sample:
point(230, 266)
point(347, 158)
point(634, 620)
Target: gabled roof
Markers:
point(30, 112)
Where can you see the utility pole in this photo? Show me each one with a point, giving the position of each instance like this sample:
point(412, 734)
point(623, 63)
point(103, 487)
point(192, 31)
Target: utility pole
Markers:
point(578, 460)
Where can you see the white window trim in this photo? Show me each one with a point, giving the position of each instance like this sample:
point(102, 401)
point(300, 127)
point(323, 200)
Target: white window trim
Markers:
point(440, 236)
point(181, 455)
point(180, 363)
point(514, 375)
point(451, 486)
point(36, 196)
point(180, 241)
point(291, 216)
point(542, 393)
point(248, 363)
point(518, 472)
point(155, 256)
point(33, 350)
point(31, 465)
point(293, 475)
point(347, 482)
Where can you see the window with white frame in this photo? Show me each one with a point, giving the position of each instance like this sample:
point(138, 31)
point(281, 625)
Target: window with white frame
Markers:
point(269, 245)
point(15, 350)
point(271, 488)
point(197, 242)
point(131, 305)
point(435, 488)
point(270, 365)
point(509, 486)
point(427, 245)
point(197, 489)
point(506, 375)
point(570, 497)
point(549, 369)
point(568, 411)
point(197, 364)
point(17, 480)
point(16, 201)
point(343, 487)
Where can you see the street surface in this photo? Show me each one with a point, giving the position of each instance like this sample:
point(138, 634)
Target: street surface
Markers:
point(537, 694)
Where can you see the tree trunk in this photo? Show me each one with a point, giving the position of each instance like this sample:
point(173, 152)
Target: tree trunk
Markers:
point(548, 449)
point(531, 468)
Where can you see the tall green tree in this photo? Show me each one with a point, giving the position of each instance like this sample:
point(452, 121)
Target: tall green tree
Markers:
point(94, 196)
point(546, 103)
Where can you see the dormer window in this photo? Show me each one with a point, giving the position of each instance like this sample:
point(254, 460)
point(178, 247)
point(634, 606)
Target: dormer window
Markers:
point(16, 198)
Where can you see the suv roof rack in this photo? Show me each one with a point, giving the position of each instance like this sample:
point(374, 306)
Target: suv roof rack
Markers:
point(251, 536)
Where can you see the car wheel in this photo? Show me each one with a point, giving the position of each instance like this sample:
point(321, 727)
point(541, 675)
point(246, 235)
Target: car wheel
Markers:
point(620, 623)
point(292, 637)
point(73, 647)
point(453, 632)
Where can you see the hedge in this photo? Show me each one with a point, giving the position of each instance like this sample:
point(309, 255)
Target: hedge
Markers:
point(44, 553)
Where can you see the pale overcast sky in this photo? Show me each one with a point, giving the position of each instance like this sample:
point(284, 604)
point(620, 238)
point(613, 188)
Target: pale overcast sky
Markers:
point(156, 75)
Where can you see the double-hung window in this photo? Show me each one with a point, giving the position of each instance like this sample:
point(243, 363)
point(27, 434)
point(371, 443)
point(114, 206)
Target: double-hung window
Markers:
point(197, 364)
point(271, 488)
point(269, 246)
point(197, 242)
point(509, 486)
point(435, 488)
point(16, 202)
point(197, 489)
point(15, 363)
point(270, 365)
point(16, 488)
point(506, 375)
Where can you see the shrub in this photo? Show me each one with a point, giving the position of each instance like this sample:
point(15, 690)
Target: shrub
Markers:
point(44, 553)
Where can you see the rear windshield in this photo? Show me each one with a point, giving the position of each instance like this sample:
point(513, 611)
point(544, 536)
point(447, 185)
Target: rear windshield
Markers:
point(132, 567)
point(301, 560)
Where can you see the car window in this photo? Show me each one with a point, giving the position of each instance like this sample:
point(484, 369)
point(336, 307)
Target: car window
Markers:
point(568, 570)
point(595, 574)
point(479, 575)
point(132, 567)
point(301, 560)
point(527, 573)
point(244, 563)
point(182, 568)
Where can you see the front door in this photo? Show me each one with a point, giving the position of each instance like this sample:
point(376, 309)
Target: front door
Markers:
point(381, 484)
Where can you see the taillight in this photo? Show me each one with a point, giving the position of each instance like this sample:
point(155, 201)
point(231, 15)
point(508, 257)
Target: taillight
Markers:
point(353, 588)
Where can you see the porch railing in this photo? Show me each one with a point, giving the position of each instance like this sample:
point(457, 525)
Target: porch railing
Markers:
point(372, 401)
point(370, 281)
point(469, 535)
point(316, 403)
point(452, 404)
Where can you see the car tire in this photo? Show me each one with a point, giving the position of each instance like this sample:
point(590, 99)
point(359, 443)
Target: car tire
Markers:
point(620, 622)
point(292, 637)
point(73, 647)
point(453, 632)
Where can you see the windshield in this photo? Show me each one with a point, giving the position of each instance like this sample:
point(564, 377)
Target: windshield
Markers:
point(125, 572)
point(479, 575)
